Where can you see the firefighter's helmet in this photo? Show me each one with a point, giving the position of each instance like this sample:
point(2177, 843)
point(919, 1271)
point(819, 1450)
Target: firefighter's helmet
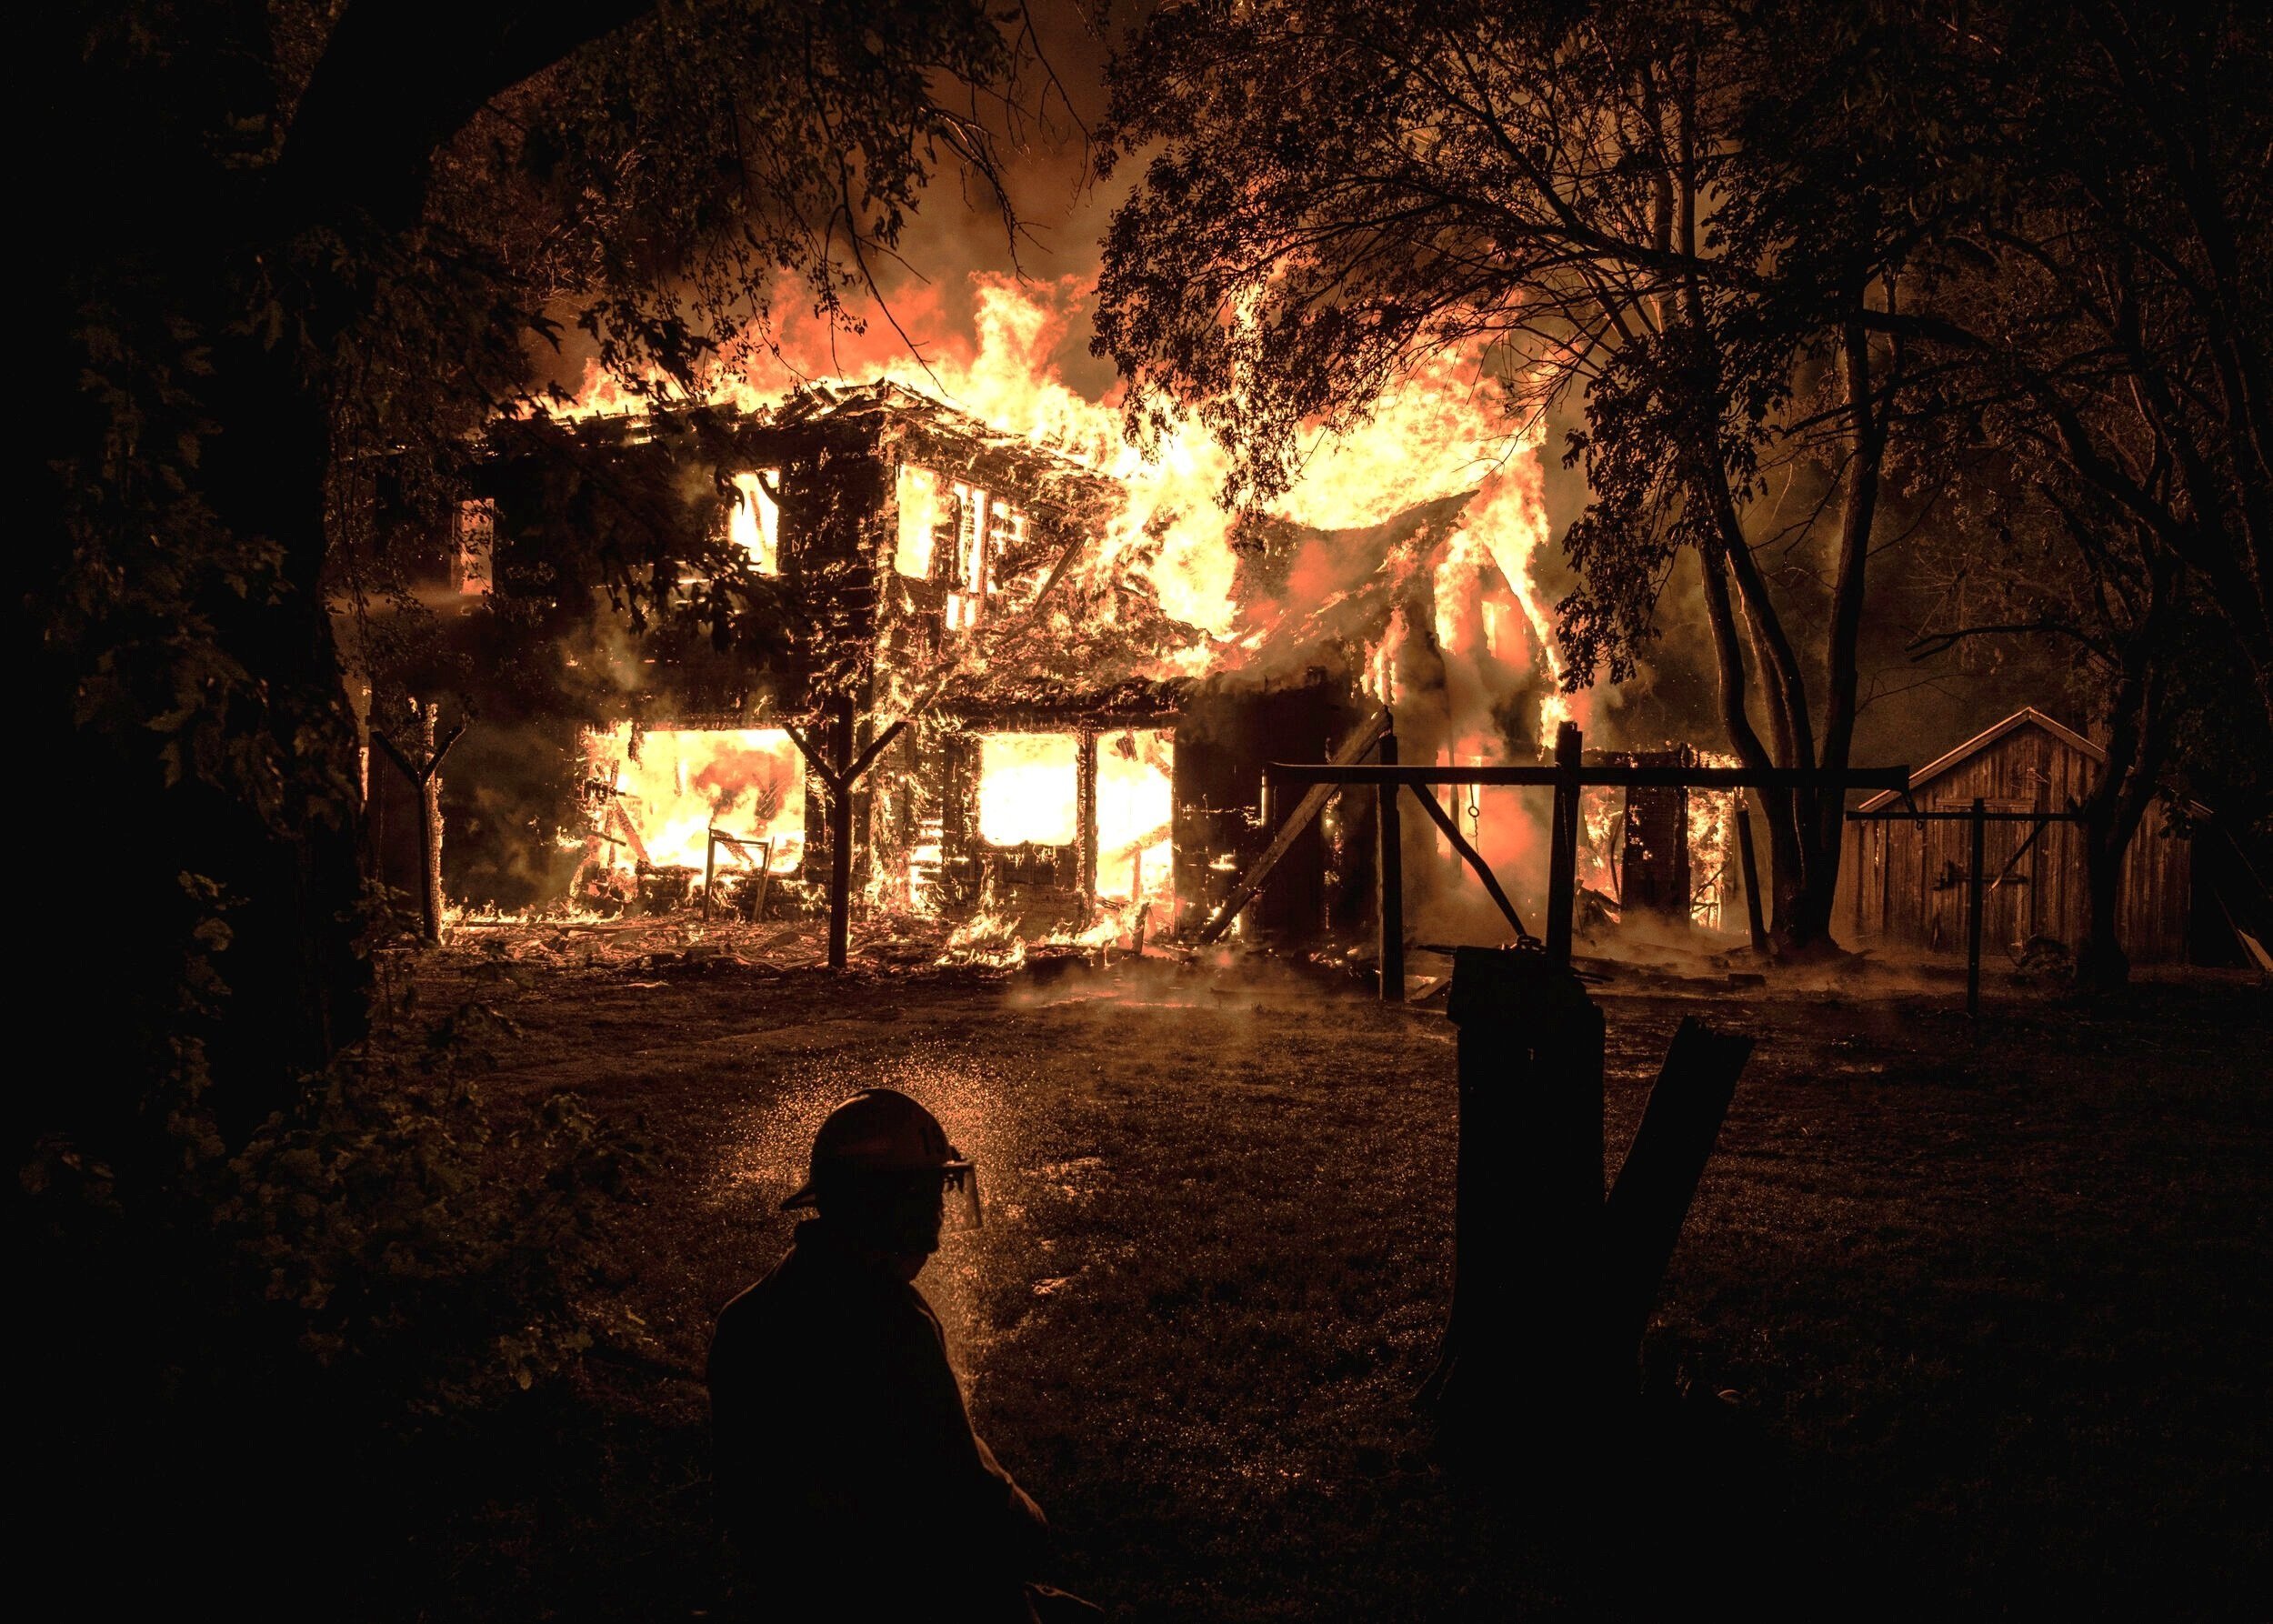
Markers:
point(879, 1140)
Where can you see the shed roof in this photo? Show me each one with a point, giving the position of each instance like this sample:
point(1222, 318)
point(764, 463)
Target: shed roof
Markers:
point(2028, 716)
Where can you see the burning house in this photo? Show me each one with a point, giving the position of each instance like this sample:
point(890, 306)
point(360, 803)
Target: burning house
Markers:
point(993, 706)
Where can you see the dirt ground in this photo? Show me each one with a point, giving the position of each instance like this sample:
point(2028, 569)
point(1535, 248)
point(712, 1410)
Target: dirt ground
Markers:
point(1967, 1318)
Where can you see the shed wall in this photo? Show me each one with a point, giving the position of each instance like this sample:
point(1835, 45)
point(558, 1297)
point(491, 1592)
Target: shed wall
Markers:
point(1905, 883)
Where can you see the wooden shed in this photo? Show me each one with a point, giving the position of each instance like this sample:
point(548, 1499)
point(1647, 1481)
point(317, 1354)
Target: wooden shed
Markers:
point(1903, 883)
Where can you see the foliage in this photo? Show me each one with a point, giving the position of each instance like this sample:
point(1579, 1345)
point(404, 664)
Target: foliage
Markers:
point(424, 1253)
point(269, 351)
point(311, 1339)
point(303, 253)
point(423, 1250)
point(2097, 313)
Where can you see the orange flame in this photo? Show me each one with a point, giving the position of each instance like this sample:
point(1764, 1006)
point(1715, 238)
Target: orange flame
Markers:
point(1441, 430)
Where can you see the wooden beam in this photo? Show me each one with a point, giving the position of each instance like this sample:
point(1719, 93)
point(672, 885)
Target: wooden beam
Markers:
point(1389, 871)
point(1626, 777)
point(1650, 1201)
point(422, 780)
point(1562, 866)
point(1313, 802)
point(418, 774)
point(1964, 815)
point(812, 754)
point(840, 774)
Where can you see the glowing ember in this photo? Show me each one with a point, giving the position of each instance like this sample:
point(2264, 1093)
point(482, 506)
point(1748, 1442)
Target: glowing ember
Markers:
point(1601, 839)
point(986, 937)
point(1712, 833)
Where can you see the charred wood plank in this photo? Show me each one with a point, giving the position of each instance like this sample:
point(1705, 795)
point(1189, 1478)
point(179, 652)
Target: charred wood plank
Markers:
point(422, 779)
point(1650, 1201)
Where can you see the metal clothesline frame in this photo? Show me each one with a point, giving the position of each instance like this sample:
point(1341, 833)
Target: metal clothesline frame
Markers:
point(1979, 817)
point(1567, 776)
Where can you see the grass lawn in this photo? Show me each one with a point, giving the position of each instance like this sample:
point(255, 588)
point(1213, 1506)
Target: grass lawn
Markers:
point(1966, 1322)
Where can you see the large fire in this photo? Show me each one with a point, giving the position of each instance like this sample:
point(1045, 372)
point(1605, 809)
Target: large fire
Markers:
point(1025, 790)
point(1444, 430)
point(655, 797)
point(1136, 801)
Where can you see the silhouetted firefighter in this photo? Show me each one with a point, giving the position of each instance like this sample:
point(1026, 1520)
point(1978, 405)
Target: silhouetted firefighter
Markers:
point(850, 1483)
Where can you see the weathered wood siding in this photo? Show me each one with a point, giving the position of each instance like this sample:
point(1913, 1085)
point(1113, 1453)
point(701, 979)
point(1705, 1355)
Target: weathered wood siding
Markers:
point(1905, 883)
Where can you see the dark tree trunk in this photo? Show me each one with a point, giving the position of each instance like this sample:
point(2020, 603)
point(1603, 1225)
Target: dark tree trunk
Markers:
point(2101, 963)
point(1804, 826)
point(285, 850)
point(2138, 742)
point(224, 896)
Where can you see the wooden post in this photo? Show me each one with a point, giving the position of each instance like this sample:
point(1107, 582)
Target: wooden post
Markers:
point(1521, 1349)
point(1085, 811)
point(839, 775)
point(765, 881)
point(1390, 872)
point(1752, 910)
point(426, 778)
point(1973, 907)
point(430, 828)
point(840, 840)
point(1562, 868)
point(1136, 902)
point(710, 871)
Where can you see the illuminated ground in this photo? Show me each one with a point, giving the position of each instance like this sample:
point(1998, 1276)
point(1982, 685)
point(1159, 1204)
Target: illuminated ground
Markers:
point(1978, 1307)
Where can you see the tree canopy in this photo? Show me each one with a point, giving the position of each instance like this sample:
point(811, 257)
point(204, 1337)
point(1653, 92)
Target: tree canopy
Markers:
point(1792, 264)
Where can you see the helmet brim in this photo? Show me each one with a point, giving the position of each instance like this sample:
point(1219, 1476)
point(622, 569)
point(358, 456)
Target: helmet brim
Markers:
point(808, 1194)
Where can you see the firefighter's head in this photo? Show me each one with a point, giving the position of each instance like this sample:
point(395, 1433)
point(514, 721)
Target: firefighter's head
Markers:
point(882, 1170)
